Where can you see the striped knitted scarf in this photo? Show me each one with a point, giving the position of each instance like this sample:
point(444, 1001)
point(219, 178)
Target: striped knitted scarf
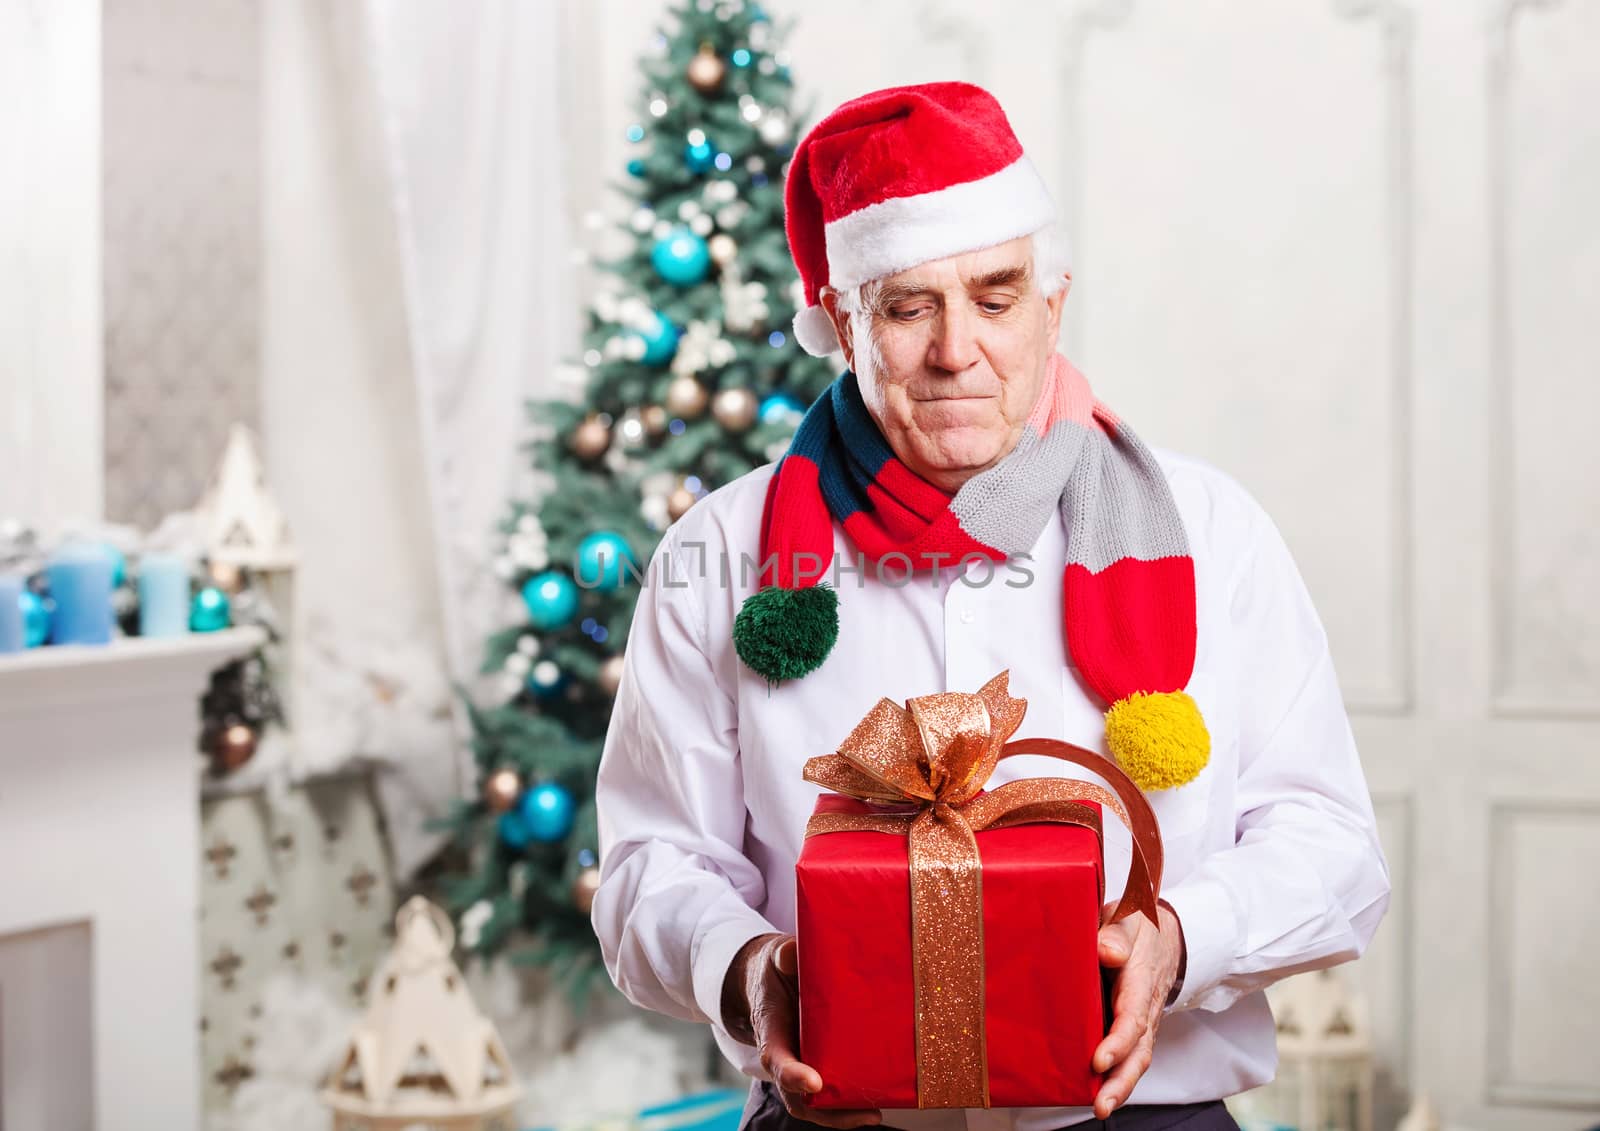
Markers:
point(1129, 596)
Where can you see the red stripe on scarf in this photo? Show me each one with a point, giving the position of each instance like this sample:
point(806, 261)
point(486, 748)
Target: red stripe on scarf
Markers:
point(794, 524)
point(1131, 627)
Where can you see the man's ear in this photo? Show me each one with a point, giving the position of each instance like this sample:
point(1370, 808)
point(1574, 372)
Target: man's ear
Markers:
point(841, 324)
point(1055, 303)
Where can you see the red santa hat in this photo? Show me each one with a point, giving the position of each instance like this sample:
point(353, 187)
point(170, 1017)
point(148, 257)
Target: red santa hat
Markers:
point(899, 177)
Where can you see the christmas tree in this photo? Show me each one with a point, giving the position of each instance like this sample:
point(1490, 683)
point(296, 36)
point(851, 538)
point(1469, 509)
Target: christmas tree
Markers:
point(690, 378)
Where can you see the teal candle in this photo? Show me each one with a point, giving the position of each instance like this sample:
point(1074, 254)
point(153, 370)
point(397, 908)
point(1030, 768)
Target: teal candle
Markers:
point(80, 585)
point(163, 595)
point(11, 637)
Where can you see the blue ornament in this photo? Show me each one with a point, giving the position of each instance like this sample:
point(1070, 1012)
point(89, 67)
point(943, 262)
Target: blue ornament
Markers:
point(546, 811)
point(551, 598)
point(35, 619)
point(208, 612)
point(698, 156)
point(681, 257)
point(604, 561)
point(636, 168)
point(781, 408)
point(741, 58)
point(660, 339)
point(512, 830)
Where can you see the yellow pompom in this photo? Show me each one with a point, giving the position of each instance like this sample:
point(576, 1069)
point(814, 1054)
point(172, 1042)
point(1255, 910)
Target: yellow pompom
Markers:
point(1158, 738)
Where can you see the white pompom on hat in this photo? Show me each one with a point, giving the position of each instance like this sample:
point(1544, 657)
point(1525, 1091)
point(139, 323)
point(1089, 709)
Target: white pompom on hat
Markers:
point(899, 177)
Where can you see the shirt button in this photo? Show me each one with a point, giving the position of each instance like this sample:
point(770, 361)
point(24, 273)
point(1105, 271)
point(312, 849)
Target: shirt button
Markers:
point(968, 616)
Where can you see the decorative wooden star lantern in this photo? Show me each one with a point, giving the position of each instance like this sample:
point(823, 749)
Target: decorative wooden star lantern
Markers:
point(423, 1056)
point(244, 530)
point(1325, 1053)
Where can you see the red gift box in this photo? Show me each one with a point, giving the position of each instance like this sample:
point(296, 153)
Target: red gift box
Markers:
point(1044, 1011)
point(947, 935)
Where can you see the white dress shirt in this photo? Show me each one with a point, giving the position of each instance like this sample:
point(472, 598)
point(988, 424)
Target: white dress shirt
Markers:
point(1272, 856)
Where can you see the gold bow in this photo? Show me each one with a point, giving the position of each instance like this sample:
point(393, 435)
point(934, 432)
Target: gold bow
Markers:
point(928, 762)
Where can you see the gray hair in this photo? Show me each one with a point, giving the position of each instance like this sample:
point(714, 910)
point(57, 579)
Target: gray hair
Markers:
point(1051, 261)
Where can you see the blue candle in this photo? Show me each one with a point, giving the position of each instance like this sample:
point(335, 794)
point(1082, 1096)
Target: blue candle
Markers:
point(80, 585)
point(163, 595)
point(11, 639)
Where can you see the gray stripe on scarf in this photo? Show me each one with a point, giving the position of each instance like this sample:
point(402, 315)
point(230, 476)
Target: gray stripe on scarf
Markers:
point(1111, 493)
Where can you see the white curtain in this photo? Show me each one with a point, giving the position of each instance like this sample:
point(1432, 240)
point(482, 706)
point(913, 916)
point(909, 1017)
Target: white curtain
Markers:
point(414, 258)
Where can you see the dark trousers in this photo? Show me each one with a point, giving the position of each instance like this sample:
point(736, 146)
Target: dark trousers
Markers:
point(771, 1115)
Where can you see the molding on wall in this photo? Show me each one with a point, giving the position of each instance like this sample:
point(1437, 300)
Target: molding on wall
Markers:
point(1502, 1087)
point(1505, 698)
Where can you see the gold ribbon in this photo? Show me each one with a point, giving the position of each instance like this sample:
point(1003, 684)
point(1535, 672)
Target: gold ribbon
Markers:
point(927, 763)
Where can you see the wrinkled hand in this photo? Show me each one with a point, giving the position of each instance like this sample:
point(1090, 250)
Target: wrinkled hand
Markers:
point(761, 996)
point(1148, 961)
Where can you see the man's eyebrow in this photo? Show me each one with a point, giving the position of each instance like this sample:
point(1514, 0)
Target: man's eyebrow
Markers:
point(1014, 275)
point(1003, 277)
point(891, 293)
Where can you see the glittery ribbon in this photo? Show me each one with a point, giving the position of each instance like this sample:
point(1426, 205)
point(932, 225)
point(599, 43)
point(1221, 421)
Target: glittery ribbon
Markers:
point(926, 763)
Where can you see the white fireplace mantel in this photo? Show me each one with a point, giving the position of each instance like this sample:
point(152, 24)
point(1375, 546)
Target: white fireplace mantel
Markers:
point(100, 826)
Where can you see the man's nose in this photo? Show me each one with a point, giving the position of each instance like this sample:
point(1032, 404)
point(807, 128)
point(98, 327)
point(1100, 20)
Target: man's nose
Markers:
point(955, 339)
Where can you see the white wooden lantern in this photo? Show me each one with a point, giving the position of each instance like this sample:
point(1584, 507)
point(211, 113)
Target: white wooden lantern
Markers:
point(242, 526)
point(423, 1057)
point(1325, 1070)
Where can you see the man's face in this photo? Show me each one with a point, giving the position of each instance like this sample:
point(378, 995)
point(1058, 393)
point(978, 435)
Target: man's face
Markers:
point(962, 347)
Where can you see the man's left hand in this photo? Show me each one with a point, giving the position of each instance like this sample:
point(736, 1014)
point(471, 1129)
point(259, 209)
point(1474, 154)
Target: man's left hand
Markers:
point(1148, 963)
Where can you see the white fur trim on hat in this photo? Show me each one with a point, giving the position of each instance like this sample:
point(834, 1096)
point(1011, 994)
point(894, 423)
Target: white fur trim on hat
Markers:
point(813, 329)
point(892, 235)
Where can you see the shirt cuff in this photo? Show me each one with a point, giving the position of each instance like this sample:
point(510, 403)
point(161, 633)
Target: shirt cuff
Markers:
point(713, 953)
point(1210, 930)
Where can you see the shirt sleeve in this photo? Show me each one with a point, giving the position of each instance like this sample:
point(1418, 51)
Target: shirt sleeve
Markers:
point(677, 894)
point(1306, 882)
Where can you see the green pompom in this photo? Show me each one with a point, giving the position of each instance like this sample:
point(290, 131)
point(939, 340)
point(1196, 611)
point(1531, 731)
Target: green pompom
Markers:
point(785, 633)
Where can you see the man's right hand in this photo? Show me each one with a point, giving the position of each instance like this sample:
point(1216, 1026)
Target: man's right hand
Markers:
point(761, 1007)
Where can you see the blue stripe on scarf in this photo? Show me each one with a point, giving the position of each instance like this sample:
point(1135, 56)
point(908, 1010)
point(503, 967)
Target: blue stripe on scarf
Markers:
point(839, 435)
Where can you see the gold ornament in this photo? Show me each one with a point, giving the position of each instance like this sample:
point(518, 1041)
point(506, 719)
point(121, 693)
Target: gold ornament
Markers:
point(655, 421)
point(584, 887)
point(227, 577)
point(722, 249)
point(706, 70)
point(611, 675)
point(502, 789)
point(679, 502)
point(235, 746)
point(686, 397)
point(590, 439)
point(735, 409)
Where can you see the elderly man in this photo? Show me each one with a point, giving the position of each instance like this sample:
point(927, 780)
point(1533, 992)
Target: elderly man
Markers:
point(956, 504)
